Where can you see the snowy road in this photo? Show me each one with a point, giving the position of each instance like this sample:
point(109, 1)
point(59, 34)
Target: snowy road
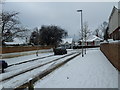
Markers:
point(18, 80)
point(91, 71)
point(33, 63)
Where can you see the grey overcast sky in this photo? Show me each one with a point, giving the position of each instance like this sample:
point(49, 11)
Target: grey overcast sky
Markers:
point(63, 14)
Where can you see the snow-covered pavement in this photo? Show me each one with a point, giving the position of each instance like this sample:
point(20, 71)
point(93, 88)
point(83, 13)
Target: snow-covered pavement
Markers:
point(91, 71)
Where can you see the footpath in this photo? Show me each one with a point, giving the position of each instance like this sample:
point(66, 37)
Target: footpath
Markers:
point(91, 71)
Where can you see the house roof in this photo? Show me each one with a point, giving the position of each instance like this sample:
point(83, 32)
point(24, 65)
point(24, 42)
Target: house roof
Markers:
point(92, 38)
point(113, 10)
point(16, 41)
point(67, 40)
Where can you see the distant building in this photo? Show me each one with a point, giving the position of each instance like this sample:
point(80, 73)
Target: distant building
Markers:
point(92, 40)
point(114, 24)
point(16, 41)
point(67, 43)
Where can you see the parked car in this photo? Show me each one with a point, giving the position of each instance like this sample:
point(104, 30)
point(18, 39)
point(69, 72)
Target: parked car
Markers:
point(59, 51)
point(3, 65)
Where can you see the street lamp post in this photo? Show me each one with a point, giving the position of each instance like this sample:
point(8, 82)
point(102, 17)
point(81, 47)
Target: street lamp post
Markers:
point(81, 29)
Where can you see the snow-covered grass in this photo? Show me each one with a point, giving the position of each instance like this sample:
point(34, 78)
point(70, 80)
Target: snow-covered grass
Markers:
point(17, 54)
point(91, 71)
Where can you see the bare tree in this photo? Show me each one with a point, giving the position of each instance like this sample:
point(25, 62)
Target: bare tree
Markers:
point(106, 36)
point(96, 32)
point(103, 27)
point(10, 26)
point(101, 30)
point(86, 31)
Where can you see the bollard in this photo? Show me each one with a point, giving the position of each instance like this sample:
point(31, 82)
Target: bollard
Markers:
point(37, 53)
point(3, 65)
point(30, 85)
point(3, 70)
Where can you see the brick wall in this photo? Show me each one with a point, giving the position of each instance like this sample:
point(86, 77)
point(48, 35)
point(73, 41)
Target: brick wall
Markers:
point(112, 52)
point(4, 50)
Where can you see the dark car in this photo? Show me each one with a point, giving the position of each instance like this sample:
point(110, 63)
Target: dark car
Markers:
point(59, 51)
point(3, 65)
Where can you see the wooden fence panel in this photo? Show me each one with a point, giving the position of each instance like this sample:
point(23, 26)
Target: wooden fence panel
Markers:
point(112, 52)
point(14, 49)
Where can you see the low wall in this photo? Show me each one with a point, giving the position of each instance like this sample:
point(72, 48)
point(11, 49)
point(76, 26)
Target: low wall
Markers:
point(79, 47)
point(15, 49)
point(112, 52)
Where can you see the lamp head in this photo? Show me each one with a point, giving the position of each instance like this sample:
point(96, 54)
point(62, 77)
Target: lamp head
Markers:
point(79, 10)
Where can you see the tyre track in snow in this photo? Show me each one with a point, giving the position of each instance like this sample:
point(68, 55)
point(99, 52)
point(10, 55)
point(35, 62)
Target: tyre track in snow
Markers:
point(46, 72)
point(32, 68)
point(30, 60)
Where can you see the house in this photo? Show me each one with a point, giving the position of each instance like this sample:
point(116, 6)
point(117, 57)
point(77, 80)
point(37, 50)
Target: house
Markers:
point(16, 41)
point(112, 49)
point(67, 43)
point(92, 40)
point(114, 24)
